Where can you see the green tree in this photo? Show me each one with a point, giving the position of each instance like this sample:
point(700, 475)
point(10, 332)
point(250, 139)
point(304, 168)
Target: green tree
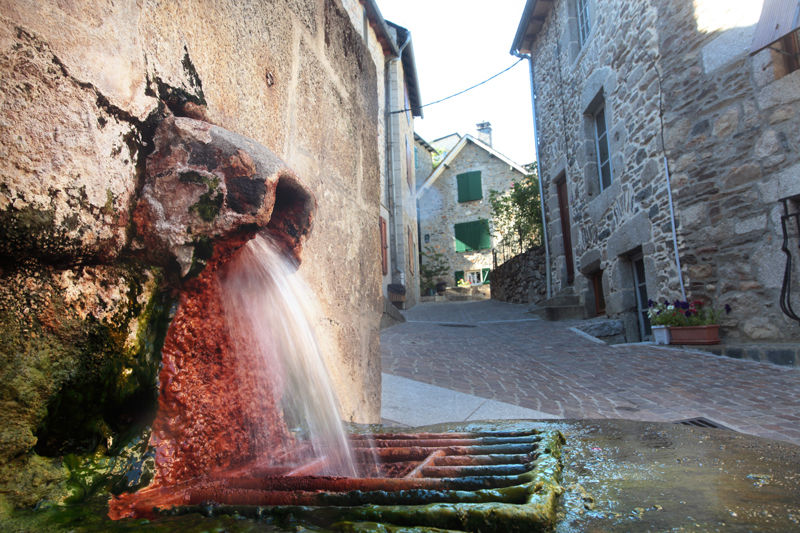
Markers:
point(432, 266)
point(516, 212)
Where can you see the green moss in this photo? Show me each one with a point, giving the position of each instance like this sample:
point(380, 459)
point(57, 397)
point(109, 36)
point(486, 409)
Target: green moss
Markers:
point(210, 203)
point(203, 250)
point(108, 207)
point(112, 384)
point(75, 387)
point(22, 231)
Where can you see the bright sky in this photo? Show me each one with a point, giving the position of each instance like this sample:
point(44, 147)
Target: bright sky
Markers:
point(458, 43)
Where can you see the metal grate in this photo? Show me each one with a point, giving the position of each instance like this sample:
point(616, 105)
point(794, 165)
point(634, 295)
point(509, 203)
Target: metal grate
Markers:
point(488, 481)
point(701, 422)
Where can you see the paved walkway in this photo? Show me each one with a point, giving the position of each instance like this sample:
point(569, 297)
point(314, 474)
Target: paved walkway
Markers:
point(499, 358)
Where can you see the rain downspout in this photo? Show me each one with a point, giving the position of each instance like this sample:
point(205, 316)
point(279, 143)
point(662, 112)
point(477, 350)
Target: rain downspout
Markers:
point(390, 159)
point(548, 274)
point(669, 182)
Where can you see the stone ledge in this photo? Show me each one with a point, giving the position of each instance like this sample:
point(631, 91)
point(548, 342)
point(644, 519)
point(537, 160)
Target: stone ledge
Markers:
point(784, 354)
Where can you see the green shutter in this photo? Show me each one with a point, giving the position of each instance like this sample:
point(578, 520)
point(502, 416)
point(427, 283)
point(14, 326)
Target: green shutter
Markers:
point(469, 186)
point(485, 275)
point(459, 276)
point(473, 236)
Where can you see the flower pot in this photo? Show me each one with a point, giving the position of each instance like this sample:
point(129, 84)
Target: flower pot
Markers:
point(661, 334)
point(694, 334)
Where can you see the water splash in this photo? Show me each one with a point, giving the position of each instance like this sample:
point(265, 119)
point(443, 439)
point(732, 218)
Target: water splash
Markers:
point(269, 309)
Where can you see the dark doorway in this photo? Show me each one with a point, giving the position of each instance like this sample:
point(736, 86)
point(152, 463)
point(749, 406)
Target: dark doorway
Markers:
point(566, 230)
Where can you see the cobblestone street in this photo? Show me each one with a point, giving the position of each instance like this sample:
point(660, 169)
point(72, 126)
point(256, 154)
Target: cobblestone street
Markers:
point(498, 351)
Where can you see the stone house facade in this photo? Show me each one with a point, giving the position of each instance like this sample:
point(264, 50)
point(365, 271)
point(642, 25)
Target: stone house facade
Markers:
point(399, 104)
point(423, 159)
point(454, 210)
point(81, 92)
point(654, 115)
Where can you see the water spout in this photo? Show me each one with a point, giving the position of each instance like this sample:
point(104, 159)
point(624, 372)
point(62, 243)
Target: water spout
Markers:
point(268, 310)
point(243, 387)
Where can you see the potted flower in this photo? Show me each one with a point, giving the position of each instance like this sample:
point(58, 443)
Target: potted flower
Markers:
point(687, 322)
point(661, 317)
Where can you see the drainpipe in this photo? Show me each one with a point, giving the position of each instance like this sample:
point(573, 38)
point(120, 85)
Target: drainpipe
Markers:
point(548, 274)
point(669, 181)
point(674, 232)
point(391, 165)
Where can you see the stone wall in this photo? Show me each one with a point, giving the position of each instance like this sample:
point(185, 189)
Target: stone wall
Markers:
point(521, 279)
point(404, 269)
point(731, 133)
point(727, 128)
point(440, 209)
point(82, 90)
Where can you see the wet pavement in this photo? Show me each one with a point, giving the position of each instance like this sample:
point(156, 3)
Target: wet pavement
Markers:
point(500, 358)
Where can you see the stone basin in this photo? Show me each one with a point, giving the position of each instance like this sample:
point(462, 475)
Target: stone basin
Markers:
point(616, 475)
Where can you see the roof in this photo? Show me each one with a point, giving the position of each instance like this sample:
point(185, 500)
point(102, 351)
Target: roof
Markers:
point(382, 32)
point(530, 24)
point(409, 68)
point(452, 154)
point(424, 143)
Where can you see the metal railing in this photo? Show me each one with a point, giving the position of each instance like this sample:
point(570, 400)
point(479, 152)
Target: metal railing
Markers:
point(507, 250)
point(790, 220)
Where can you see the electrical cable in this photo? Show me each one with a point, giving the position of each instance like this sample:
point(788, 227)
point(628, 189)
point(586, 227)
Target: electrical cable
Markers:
point(460, 92)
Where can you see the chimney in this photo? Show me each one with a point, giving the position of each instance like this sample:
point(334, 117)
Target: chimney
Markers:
point(485, 132)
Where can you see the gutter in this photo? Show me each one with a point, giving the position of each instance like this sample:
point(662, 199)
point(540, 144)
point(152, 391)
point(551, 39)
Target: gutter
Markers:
point(548, 272)
point(391, 161)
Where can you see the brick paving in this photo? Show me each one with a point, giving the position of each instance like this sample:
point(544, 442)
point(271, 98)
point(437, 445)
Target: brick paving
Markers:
point(498, 351)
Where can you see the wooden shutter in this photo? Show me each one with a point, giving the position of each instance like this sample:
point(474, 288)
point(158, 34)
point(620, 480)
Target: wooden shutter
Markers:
point(469, 186)
point(384, 248)
point(409, 166)
point(410, 252)
point(485, 275)
point(473, 236)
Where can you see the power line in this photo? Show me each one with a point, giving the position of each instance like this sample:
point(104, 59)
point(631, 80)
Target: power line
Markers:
point(461, 92)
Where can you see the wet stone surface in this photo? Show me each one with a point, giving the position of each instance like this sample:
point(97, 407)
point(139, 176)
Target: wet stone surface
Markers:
point(617, 476)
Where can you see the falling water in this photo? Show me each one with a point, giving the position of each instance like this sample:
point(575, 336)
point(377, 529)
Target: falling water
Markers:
point(268, 310)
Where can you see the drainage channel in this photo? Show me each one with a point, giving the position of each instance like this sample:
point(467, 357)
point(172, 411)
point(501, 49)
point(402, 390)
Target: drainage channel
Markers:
point(701, 422)
point(488, 481)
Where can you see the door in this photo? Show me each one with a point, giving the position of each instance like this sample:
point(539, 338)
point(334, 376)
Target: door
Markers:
point(566, 228)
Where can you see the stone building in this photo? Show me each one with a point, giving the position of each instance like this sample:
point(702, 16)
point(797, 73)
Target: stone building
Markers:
point(665, 144)
point(400, 102)
point(423, 159)
point(82, 301)
point(454, 210)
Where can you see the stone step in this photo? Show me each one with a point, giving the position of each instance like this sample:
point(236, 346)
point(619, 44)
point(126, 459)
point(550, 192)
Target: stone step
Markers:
point(558, 312)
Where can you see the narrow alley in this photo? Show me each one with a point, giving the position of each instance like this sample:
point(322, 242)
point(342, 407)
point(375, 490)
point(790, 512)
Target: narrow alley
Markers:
point(498, 352)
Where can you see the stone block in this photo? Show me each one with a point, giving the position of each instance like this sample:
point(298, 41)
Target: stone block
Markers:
point(781, 356)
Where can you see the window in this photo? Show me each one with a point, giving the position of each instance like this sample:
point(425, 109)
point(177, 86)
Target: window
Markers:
point(473, 236)
point(777, 29)
point(601, 145)
point(787, 51)
point(469, 186)
point(582, 8)
point(473, 277)
point(384, 248)
point(640, 288)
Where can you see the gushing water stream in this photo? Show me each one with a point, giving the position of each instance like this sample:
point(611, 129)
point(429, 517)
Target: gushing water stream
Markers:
point(268, 310)
point(244, 391)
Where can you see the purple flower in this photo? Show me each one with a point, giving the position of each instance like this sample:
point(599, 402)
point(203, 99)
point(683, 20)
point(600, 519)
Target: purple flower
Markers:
point(727, 309)
point(688, 314)
point(650, 303)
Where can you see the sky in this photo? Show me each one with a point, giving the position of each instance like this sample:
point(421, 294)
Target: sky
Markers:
point(458, 43)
